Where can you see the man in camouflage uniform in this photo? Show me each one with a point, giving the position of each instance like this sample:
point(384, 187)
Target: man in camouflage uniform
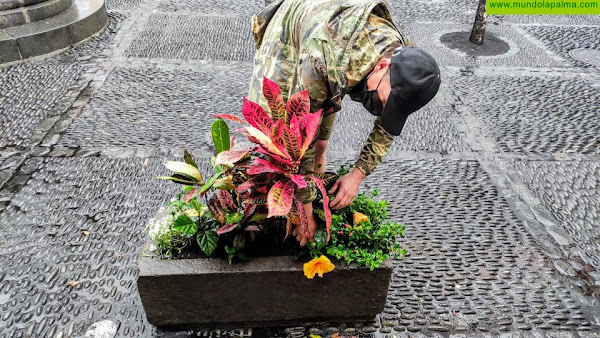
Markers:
point(338, 47)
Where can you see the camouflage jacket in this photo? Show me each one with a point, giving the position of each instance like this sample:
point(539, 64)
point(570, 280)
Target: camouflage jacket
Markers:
point(326, 46)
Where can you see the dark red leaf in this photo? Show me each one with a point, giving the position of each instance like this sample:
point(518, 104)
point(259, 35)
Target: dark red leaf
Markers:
point(257, 116)
point(226, 228)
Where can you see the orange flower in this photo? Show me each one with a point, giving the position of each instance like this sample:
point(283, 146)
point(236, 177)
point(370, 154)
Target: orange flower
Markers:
point(319, 266)
point(348, 226)
point(358, 218)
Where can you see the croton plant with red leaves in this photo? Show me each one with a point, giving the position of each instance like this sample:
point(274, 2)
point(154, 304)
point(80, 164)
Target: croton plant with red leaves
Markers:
point(253, 180)
point(281, 140)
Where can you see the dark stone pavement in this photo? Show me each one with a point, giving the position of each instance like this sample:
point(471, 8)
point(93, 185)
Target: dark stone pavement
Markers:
point(497, 180)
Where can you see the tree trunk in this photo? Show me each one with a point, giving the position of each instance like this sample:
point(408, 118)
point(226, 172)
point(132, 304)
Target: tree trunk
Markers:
point(478, 32)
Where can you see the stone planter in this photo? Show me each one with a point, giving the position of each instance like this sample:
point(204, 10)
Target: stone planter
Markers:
point(266, 291)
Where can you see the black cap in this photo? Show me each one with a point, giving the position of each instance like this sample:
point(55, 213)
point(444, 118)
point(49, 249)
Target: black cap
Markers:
point(415, 79)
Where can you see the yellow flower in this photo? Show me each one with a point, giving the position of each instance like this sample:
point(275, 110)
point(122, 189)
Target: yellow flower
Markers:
point(319, 265)
point(358, 218)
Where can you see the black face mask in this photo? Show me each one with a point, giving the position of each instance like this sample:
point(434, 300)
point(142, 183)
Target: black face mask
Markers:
point(368, 98)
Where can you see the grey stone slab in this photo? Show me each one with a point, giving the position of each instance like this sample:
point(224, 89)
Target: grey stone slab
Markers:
point(13, 17)
point(562, 39)
point(10, 4)
point(522, 52)
point(33, 42)
point(9, 49)
point(88, 26)
point(213, 7)
point(29, 94)
point(537, 114)
point(47, 9)
point(37, 12)
point(570, 190)
point(192, 37)
point(141, 107)
point(429, 129)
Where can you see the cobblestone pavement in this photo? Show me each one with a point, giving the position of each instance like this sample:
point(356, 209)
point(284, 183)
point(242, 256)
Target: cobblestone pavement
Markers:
point(497, 180)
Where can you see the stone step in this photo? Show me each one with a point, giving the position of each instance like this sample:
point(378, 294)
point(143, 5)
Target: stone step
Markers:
point(80, 21)
point(10, 4)
point(33, 13)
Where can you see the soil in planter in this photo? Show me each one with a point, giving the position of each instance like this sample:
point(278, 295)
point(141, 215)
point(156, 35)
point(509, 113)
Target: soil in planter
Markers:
point(268, 242)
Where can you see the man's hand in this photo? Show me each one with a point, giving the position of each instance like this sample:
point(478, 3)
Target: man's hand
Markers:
point(347, 189)
point(302, 235)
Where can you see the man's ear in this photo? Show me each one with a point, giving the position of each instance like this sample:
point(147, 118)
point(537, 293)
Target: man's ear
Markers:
point(383, 64)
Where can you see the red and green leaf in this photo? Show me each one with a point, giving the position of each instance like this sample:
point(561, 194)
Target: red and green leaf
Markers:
point(257, 136)
point(226, 200)
point(214, 206)
point(310, 128)
point(245, 186)
point(248, 211)
point(187, 197)
point(230, 157)
point(274, 99)
point(284, 162)
point(319, 184)
point(299, 180)
point(295, 127)
point(298, 104)
point(261, 166)
point(226, 228)
point(292, 144)
point(229, 117)
point(257, 116)
point(280, 198)
point(303, 224)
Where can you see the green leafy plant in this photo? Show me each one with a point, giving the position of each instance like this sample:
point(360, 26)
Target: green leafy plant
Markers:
point(361, 234)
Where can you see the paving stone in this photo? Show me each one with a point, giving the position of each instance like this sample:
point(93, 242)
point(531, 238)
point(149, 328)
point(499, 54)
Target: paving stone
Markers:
point(429, 129)
point(28, 94)
point(135, 105)
point(112, 5)
point(562, 39)
point(43, 228)
point(534, 114)
point(550, 19)
point(478, 217)
point(522, 52)
point(458, 11)
point(571, 192)
point(213, 7)
point(32, 93)
point(168, 36)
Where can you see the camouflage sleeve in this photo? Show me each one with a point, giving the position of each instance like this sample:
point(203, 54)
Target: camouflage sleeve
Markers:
point(377, 145)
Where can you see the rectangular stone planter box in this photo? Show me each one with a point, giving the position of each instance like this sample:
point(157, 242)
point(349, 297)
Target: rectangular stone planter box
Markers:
point(266, 291)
